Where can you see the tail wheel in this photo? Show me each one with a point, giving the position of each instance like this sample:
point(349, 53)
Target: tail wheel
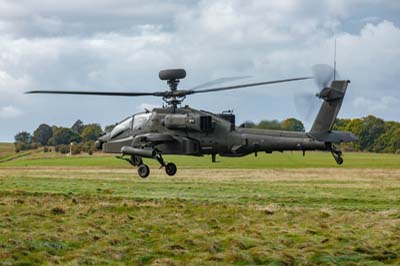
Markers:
point(143, 171)
point(170, 169)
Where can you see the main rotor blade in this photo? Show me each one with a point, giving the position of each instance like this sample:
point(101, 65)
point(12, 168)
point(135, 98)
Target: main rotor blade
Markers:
point(218, 81)
point(99, 93)
point(247, 85)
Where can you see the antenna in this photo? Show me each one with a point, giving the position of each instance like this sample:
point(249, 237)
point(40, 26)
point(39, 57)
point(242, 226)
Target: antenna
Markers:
point(334, 63)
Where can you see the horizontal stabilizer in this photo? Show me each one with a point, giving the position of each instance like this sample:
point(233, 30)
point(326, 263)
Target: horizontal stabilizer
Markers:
point(333, 136)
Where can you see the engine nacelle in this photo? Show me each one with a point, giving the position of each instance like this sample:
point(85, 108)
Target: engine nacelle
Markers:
point(202, 123)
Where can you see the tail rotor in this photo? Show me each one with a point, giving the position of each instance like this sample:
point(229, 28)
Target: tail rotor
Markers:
point(307, 103)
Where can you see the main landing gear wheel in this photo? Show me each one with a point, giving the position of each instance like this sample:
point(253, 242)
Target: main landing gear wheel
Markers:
point(339, 160)
point(337, 155)
point(136, 160)
point(170, 169)
point(143, 171)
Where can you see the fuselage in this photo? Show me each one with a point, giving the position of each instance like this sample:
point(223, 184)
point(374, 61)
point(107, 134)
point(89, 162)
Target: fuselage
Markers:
point(189, 131)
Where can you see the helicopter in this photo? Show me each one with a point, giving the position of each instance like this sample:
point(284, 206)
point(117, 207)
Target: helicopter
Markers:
point(182, 130)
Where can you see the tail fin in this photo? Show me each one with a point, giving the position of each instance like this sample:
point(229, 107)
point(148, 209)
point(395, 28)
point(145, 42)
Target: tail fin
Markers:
point(333, 98)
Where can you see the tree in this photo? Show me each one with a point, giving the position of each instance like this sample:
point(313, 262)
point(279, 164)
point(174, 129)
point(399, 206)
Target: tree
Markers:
point(372, 128)
point(78, 126)
point(340, 124)
point(42, 134)
point(395, 140)
point(248, 124)
point(109, 128)
point(91, 132)
point(269, 124)
point(62, 135)
point(355, 126)
point(388, 141)
point(292, 124)
point(23, 141)
point(23, 137)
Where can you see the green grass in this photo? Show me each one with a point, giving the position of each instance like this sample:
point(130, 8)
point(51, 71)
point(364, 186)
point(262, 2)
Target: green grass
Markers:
point(279, 209)
point(275, 160)
point(372, 192)
point(80, 230)
point(6, 149)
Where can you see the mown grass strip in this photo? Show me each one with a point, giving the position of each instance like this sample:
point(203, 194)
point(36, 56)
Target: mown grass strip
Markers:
point(373, 195)
point(14, 157)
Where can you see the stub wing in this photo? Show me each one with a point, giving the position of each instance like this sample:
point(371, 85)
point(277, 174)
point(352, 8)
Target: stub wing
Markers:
point(168, 144)
point(154, 138)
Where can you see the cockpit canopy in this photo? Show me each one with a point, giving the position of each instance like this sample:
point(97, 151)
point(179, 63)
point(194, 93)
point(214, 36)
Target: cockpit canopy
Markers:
point(135, 122)
point(140, 120)
point(121, 127)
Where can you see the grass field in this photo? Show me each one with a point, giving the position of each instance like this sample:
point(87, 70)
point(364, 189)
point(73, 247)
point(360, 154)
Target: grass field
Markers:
point(279, 209)
point(263, 161)
point(6, 149)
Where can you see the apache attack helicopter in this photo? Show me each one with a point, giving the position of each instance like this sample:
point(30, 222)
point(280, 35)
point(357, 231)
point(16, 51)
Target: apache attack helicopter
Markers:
point(177, 129)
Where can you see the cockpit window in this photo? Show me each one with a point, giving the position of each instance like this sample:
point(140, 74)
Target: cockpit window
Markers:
point(140, 120)
point(121, 127)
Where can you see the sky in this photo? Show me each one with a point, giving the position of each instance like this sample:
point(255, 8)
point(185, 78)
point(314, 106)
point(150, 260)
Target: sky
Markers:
point(121, 45)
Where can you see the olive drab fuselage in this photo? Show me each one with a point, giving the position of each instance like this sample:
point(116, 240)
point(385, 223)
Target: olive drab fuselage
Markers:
point(187, 131)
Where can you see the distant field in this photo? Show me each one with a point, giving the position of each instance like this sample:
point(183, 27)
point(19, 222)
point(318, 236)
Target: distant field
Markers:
point(6, 149)
point(279, 209)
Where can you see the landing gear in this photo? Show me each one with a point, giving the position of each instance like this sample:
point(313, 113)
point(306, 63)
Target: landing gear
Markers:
point(136, 160)
point(143, 171)
point(170, 169)
point(337, 155)
point(339, 160)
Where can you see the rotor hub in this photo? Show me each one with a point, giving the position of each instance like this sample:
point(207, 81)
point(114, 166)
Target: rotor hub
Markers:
point(173, 84)
point(172, 74)
point(173, 77)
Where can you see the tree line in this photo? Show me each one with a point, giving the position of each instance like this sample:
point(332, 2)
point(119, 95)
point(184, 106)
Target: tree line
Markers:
point(291, 124)
point(83, 136)
point(375, 134)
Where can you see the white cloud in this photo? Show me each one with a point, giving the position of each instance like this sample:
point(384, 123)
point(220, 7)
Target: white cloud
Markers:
point(12, 87)
point(9, 111)
point(122, 46)
point(48, 24)
point(371, 20)
point(377, 104)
